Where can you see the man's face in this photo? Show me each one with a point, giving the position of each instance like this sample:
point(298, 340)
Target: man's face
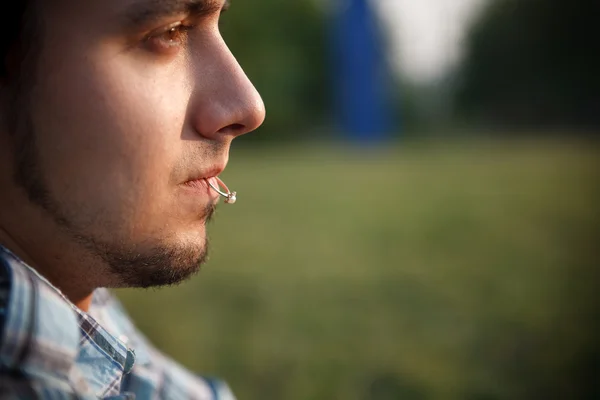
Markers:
point(134, 103)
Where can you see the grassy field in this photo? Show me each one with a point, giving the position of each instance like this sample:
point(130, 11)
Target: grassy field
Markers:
point(432, 271)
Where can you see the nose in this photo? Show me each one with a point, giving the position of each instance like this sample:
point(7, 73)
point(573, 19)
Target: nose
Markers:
point(225, 104)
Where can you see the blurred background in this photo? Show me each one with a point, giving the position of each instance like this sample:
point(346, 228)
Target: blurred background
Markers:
point(417, 218)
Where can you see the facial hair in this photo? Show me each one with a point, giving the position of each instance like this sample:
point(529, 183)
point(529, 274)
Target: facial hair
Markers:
point(133, 264)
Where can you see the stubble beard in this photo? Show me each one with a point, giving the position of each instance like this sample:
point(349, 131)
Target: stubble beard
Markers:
point(129, 264)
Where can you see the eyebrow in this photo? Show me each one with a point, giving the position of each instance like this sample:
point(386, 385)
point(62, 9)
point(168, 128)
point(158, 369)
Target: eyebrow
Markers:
point(146, 11)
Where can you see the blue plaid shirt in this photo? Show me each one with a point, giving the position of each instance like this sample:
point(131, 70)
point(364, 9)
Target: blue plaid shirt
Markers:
point(49, 349)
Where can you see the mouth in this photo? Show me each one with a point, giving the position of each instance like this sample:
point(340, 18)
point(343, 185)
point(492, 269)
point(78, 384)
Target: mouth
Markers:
point(197, 182)
point(201, 186)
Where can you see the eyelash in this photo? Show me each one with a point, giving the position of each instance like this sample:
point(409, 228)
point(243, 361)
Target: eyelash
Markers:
point(169, 39)
point(172, 43)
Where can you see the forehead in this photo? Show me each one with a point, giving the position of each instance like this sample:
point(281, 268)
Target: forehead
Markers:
point(135, 12)
point(142, 10)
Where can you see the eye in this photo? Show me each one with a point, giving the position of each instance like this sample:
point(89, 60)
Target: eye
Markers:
point(223, 11)
point(168, 39)
point(222, 20)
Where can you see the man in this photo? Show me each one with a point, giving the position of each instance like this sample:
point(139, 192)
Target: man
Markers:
point(115, 115)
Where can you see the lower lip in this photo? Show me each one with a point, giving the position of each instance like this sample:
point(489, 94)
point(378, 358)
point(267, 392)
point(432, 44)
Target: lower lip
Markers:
point(200, 186)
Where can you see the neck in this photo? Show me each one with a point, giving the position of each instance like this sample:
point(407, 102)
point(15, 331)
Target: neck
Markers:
point(80, 297)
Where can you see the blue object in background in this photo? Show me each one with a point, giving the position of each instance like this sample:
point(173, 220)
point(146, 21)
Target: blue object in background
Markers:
point(361, 73)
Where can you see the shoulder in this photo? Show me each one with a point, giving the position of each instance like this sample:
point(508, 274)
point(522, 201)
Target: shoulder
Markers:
point(39, 334)
point(4, 291)
point(154, 374)
point(16, 386)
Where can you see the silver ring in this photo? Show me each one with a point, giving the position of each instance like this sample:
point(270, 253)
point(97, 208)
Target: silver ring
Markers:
point(230, 197)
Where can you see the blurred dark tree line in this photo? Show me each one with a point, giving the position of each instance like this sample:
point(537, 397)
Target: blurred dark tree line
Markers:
point(282, 46)
point(527, 64)
point(533, 63)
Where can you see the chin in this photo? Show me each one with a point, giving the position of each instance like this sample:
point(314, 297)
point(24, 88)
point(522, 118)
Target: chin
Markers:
point(154, 263)
point(162, 266)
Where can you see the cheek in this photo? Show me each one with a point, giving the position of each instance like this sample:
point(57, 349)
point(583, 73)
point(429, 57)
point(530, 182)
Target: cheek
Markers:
point(109, 135)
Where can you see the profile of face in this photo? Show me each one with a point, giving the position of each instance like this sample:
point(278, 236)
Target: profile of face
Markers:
point(133, 105)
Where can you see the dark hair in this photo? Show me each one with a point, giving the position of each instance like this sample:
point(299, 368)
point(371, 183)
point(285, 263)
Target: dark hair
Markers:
point(16, 34)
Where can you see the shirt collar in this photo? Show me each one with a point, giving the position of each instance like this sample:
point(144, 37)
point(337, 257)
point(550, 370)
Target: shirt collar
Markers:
point(46, 335)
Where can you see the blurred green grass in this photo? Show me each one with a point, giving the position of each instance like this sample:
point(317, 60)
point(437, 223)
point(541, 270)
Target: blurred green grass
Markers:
point(440, 270)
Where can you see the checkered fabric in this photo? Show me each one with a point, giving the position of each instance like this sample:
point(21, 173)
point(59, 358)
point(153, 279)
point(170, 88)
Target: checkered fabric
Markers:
point(49, 349)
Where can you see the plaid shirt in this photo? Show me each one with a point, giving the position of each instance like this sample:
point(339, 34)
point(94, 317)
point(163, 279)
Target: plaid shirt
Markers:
point(49, 349)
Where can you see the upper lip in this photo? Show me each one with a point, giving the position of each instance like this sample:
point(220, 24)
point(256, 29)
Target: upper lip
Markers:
point(211, 172)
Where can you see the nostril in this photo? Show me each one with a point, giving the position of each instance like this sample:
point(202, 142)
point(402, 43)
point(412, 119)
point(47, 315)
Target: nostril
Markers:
point(233, 129)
